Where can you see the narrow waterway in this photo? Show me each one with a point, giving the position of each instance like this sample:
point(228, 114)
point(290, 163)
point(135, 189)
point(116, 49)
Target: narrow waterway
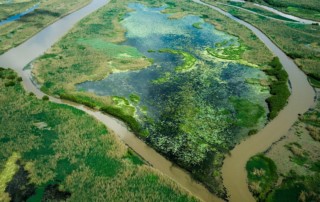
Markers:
point(233, 171)
point(19, 57)
point(19, 15)
point(301, 20)
point(302, 97)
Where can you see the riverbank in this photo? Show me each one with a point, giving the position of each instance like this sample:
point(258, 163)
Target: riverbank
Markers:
point(296, 163)
point(303, 9)
point(40, 43)
point(53, 151)
point(85, 56)
point(234, 173)
point(298, 41)
point(16, 32)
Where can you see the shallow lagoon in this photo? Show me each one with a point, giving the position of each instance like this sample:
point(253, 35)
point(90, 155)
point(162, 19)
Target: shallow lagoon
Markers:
point(188, 114)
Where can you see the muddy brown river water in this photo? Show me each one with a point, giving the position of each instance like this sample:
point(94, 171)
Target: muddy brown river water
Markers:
point(19, 57)
point(301, 99)
point(233, 171)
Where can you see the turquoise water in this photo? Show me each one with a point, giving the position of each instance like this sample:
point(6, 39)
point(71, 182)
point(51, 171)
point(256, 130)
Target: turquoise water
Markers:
point(19, 15)
point(191, 106)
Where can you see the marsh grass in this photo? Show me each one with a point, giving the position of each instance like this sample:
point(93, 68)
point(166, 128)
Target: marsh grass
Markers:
point(6, 174)
point(57, 144)
point(298, 41)
point(8, 10)
point(306, 9)
point(262, 175)
point(14, 33)
point(248, 114)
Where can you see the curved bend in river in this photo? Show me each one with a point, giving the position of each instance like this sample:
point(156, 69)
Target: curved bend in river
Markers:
point(302, 97)
point(233, 171)
point(38, 44)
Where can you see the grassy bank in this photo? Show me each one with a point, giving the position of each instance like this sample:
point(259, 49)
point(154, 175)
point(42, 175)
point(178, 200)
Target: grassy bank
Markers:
point(305, 9)
point(298, 41)
point(14, 33)
point(278, 89)
point(297, 161)
point(8, 10)
point(55, 152)
point(262, 176)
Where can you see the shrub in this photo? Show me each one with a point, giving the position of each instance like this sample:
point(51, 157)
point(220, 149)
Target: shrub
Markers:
point(117, 112)
point(45, 98)
point(278, 89)
point(9, 83)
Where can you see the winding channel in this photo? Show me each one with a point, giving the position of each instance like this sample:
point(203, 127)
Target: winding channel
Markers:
point(233, 171)
point(301, 99)
point(301, 20)
point(19, 57)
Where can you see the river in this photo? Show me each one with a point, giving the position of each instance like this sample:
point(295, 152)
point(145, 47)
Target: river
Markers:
point(301, 20)
point(19, 57)
point(234, 174)
point(19, 15)
point(301, 99)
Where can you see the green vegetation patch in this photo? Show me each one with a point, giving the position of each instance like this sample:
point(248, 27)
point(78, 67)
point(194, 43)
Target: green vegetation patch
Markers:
point(296, 188)
point(248, 113)
point(227, 53)
point(134, 98)
point(63, 152)
point(7, 173)
point(197, 25)
point(262, 175)
point(279, 89)
point(134, 158)
point(112, 49)
point(188, 59)
point(104, 166)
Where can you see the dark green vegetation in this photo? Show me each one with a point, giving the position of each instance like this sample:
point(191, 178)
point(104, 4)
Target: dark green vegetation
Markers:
point(312, 121)
point(259, 10)
point(262, 176)
point(14, 33)
point(297, 161)
point(296, 188)
point(298, 41)
point(309, 9)
point(248, 113)
point(55, 152)
point(279, 89)
point(228, 53)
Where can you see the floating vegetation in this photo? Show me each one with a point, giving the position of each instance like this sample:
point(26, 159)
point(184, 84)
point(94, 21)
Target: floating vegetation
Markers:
point(227, 53)
point(188, 59)
point(190, 116)
point(197, 25)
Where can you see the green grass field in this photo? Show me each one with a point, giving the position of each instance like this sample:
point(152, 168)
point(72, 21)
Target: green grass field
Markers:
point(14, 33)
point(308, 9)
point(55, 152)
point(262, 175)
point(298, 41)
point(297, 161)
